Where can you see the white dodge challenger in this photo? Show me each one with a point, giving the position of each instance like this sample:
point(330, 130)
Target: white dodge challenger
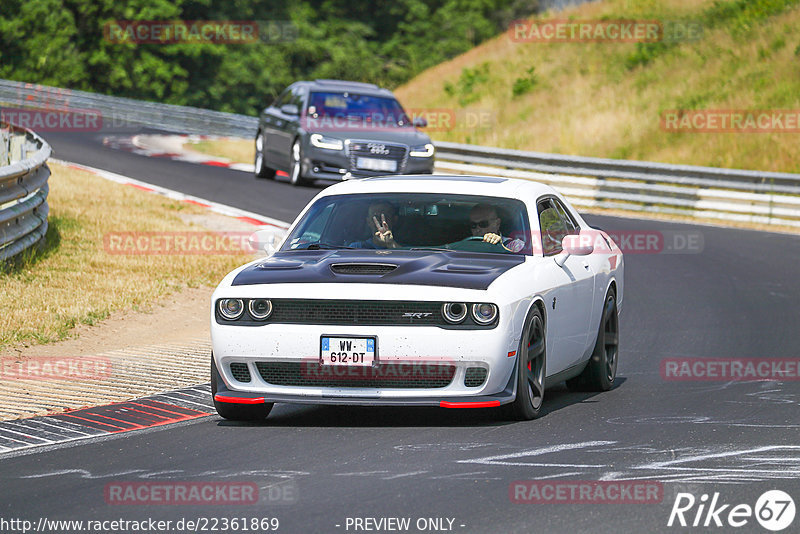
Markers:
point(449, 291)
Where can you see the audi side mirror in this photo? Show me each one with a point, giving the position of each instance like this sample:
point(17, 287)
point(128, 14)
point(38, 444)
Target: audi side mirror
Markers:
point(290, 109)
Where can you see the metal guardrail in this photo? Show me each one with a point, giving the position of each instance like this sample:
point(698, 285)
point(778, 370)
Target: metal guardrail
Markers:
point(121, 113)
point(23, 190)
point(708, 192)
point(638, 186)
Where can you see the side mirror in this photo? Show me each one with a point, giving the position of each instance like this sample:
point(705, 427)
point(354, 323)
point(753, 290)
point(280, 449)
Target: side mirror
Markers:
point(419, 122)
point(268, 240)
point(290, 109)
point(575, 245)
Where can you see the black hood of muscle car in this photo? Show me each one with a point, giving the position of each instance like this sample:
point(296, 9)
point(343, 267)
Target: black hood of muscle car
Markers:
point(468, 270)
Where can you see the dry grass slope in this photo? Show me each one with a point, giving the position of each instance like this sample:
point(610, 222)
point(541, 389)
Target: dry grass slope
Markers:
point(605, 100)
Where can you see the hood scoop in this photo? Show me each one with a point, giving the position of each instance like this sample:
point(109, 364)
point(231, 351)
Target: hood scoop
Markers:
point(274, 264)
point(376, 269)
point(463, 269)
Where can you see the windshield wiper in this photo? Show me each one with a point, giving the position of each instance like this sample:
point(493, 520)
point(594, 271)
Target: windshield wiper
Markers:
point(327, 246)
point(438, 249)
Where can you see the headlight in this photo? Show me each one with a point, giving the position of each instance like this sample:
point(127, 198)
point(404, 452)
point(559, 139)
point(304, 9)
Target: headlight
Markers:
point(231, 309)
point(484, 313)
point(259, 309)
point(424, 151)
point(454, 312)
point(320, 141)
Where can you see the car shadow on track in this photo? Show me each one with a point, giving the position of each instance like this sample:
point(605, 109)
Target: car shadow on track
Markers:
point(303, 415)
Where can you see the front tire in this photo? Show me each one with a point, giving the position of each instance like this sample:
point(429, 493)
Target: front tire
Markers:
point(236, 412)
point(531, 367)
point(601, 370)
point(296, 170)
point(260, 164)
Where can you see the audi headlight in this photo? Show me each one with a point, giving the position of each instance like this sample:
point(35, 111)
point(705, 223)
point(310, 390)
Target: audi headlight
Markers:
point(454, 312)
point(231, 309)
point(424, 151)
point(484, 313)
point(320, 141)
point(259, 309)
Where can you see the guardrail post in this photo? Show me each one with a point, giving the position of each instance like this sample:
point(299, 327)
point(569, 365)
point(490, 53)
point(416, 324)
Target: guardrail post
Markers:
point(15, 148)
point(5, 137)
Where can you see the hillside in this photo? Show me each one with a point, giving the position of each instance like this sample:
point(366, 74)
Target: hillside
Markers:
point(606, 99)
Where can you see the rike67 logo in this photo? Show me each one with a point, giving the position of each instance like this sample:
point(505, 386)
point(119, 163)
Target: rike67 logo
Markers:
point(774, 510)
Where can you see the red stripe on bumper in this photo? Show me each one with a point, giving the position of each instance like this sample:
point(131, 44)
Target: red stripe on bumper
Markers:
point(238, 400)
point(486, 404)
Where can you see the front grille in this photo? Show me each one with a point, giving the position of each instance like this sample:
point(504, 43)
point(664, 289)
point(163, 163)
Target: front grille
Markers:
point(391, 375)
point(398, 153)
point(356, 312)
point(240, 372)
point(362, 268)
point(475, 376)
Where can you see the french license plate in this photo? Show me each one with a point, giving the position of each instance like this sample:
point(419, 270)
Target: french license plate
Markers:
point(355, 351)
point(374, 164)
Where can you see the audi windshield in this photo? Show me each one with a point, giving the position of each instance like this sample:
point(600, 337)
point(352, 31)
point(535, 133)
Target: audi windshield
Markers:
point(350, 109)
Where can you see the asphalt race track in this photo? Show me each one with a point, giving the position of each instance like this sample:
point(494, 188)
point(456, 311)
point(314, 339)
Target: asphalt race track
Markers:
point(319, 466)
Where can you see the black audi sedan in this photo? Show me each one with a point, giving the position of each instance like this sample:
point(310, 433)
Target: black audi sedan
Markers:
point(337, 130)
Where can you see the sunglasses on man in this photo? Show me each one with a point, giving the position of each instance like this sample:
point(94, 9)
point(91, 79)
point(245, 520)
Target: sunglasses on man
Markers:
point(480, 224)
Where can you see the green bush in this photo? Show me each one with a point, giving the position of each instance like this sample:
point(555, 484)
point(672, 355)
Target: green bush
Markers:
point(466, 88)
point(525, 83)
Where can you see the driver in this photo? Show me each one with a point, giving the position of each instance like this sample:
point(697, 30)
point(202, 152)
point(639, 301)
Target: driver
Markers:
point(484, 221)
point(381, 216)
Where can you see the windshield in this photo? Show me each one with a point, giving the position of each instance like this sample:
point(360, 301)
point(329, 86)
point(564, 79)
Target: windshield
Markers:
point(414, 221)
point(354, 110)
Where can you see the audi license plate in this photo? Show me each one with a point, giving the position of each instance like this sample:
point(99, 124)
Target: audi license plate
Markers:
point(357, 351)
point(375, 164)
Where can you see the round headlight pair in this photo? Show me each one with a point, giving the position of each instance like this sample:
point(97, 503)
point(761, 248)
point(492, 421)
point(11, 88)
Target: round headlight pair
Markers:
point(232, 309)
point(456, 312)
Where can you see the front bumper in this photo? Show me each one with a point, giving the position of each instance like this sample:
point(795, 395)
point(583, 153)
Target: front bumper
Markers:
point(422, 346)
point(323, 164)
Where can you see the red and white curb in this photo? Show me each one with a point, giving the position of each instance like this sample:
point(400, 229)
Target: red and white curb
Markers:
point(100, 421)
point(229, 211)
point(171, 147)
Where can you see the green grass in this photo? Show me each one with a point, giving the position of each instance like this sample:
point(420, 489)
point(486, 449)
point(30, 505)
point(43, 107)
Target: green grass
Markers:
point(71, 280)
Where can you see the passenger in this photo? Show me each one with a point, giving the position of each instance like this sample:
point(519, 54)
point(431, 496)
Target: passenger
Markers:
point(381, 216)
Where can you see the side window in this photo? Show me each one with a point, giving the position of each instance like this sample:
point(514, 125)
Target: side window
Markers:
point(572, 226)
point(297, 98)
point(554, 224)
point(282, 99)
